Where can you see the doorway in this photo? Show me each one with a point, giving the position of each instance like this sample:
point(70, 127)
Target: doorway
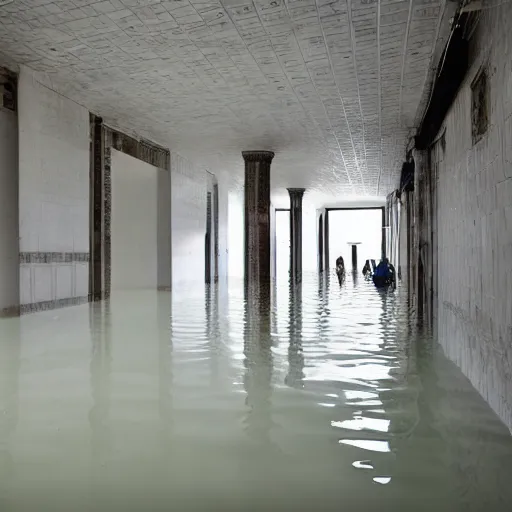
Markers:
point(321, 243)
point(358, 230)
point(208, 241)
point(211, 237)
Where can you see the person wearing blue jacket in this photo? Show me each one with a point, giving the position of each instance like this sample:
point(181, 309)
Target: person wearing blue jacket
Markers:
point(384, 274)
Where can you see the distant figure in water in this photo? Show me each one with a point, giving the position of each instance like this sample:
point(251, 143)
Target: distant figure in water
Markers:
point(340, 269)
point(384, 275)
point(368, 268)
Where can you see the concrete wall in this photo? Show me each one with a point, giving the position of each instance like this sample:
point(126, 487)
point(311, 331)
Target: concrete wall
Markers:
point(164, 230)
point(53, 194)
point(134, 223)
point(223, 184)
point(475, 223)
point(403, 268)
point(309, 238)
point(236, 235)
point(189, 187)
point(188, 221)
point(9, 274)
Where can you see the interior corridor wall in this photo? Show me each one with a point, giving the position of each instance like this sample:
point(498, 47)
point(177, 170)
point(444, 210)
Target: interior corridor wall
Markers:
point(188, 219)
point(309, 238)
point(236, 215)
point(53, 196)
point(474, 207)
point(134, 223)
point(9, 258)
point(189, 187)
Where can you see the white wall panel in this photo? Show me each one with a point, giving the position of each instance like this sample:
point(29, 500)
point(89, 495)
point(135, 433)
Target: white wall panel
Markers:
point(53, 185)
point(134, 223)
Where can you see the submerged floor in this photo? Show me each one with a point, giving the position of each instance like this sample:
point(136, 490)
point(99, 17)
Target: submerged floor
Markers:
point(333, 401)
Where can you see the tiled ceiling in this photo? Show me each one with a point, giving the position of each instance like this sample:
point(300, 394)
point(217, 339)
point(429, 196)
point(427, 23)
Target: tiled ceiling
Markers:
point(335, 88)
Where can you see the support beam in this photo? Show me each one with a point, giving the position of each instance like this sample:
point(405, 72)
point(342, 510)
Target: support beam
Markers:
point(354, 257)
point(257, 218)
point(296, 195)
point(96, 210)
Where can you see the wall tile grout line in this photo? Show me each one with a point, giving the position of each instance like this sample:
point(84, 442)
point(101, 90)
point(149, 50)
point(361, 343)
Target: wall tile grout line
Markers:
point(53, 257)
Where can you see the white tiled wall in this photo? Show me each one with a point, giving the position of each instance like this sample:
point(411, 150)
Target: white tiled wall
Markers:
point(9, 284)
point(53, 187)
point(475, 224)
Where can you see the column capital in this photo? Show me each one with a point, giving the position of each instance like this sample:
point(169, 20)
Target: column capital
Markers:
point(297, 192)
point(258, 156)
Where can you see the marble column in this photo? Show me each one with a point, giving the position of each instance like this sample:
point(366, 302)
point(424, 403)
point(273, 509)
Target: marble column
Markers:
point(296, 195)
point(257, 219)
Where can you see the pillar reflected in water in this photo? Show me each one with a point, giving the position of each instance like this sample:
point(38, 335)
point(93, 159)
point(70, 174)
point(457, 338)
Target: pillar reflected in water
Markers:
point(258, 362)
point(295, 376)
point(355, 277)
point(100, 375)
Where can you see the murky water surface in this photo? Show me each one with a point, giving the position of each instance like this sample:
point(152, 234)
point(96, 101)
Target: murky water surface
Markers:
point(329, 400)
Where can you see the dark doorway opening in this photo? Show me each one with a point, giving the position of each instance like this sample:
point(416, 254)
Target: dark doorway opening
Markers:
point(211, 238)
point(321, 243)
point(216, 231)
point(208, 241)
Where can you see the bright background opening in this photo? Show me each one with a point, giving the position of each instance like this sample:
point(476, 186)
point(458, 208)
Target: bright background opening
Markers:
point(346, 226)
point(282, 244)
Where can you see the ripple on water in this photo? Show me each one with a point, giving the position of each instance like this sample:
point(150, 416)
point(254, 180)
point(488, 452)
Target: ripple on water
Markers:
point(221, 401)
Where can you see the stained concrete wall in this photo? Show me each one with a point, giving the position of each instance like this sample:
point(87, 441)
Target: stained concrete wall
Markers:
point(53, 194)
point(134, 223)
point(9, 260)
point(475, 222)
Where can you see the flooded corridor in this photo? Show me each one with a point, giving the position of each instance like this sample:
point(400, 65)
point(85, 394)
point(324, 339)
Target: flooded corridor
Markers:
point(329, 400)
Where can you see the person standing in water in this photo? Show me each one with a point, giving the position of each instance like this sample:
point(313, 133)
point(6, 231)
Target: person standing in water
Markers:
point(384, 275)
point(340, 269)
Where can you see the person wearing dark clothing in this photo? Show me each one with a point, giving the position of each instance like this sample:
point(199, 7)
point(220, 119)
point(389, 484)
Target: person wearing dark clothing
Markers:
point(384, 274)
point(368, 268)
point(340, 269)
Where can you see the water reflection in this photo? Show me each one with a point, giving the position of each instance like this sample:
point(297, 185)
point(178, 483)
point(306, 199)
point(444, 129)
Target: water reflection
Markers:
point(295, 375)
point(100, 372)
point(258, 364)
point(165, 376)
point(325, 395)
point(9, 402)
